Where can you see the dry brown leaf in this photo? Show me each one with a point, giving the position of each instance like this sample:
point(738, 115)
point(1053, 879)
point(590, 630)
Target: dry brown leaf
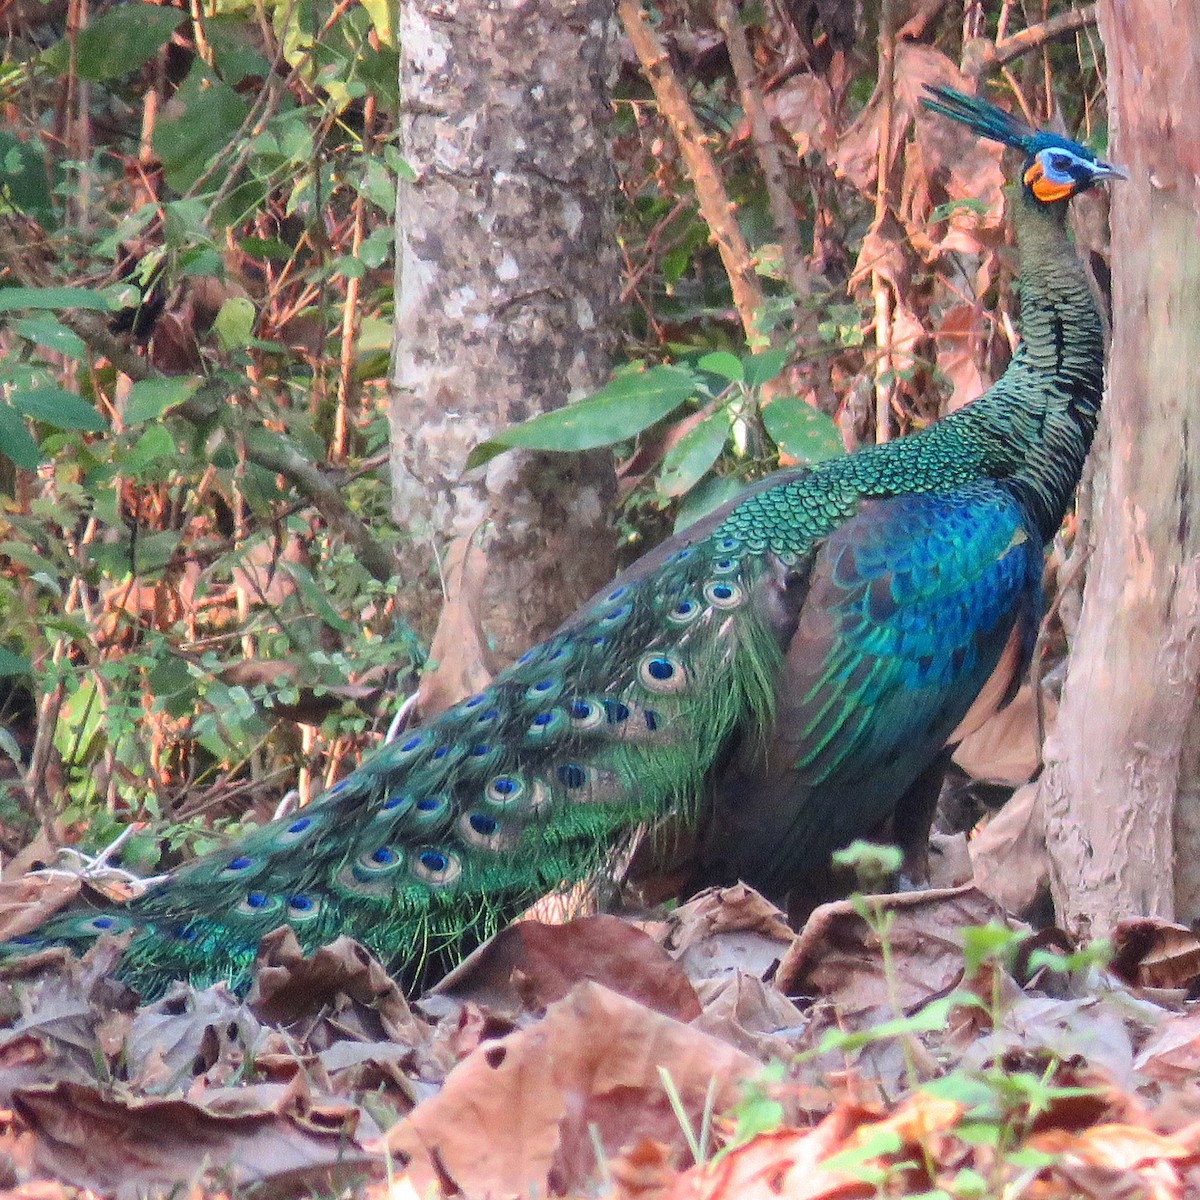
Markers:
point(518, 1113)
point(459, 647)
point(188, 1034)
point(1151, 952)
point(751, 1015)
point(724, 931)
point(27, 901)
point(530, 965)
point(39, 853)
point(1009, 854)
point(960, 349)
point(120, 1146)
point(785, 1163)
point(1005, 748)
point(1172, 1055)
point(914, 1120)
point(289, 984)
point(803, 105)
point(856, 156)
point(1118, 1151)
point(837, 954)
point(644, 1172)
point(949, 861)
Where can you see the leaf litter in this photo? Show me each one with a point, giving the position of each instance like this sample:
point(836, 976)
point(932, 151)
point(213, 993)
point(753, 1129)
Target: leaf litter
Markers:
point(916, 1043)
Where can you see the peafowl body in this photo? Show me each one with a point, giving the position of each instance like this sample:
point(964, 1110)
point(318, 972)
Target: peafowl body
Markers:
point(792, 667)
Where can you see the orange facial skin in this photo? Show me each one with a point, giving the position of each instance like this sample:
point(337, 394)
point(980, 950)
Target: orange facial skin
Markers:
point(1042, 187)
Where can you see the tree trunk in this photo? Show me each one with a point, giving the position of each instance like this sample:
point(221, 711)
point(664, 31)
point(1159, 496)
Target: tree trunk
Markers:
point(507, 277)
point(1122, 780)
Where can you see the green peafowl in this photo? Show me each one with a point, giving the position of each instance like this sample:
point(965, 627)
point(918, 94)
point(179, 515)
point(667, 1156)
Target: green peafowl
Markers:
point(790, 668)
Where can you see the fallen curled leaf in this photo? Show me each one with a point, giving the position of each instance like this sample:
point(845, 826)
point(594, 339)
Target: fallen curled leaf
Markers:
point(754, 1016)
point(786, 1163)
point(1172, 1055)
point(186, 1034)
point(289, 985)
point(724, 931)
point(544, 1101)
point(838, 955)
point(530, 965)
point(1151, 952)
point(108, 1144)
point(1008, 853)
point(1115, 1160)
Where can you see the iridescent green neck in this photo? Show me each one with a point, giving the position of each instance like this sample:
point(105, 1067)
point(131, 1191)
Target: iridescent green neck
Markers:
point(1030, 430)
point(1036, 423)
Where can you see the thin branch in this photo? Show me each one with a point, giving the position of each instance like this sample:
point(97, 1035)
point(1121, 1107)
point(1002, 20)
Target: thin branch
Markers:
point(765, 147)
point(885, 373)
point(715, 206)
point(985, 57)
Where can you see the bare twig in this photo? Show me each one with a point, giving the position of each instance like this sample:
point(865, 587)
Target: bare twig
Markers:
point(885, 373)
point(715, 205)
point(981, 56)
point(763, 138)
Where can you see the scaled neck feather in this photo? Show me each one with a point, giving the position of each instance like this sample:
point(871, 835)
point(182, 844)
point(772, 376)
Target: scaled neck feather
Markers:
point(1037, 421)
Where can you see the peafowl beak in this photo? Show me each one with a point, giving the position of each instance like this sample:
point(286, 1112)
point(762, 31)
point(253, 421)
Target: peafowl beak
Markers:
point(1103, 170)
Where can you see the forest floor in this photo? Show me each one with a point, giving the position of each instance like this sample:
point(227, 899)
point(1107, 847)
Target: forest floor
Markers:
point(918, 1044)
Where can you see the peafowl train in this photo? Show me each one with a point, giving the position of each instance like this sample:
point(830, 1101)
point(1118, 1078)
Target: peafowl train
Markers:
point(787, 673)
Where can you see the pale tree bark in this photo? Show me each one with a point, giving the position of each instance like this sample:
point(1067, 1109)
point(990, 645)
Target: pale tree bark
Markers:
point(1122, 782)
point(507, 278)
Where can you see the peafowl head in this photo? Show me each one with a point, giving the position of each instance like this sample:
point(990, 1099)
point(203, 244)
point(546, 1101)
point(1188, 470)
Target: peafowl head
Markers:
point(1055, 169)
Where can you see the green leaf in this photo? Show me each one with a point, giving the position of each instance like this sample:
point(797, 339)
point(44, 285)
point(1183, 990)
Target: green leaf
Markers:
point(27, 556)
point(380, 13)
point(9, 744)
point(633, 401)
point(150, 398)
point(706, 496)
point(15, 442)
point(688, 461)
point(25, 181)
point(120, 559)
point(59, 409)
point(266, 248)
point(235, 55)
point(234, 325)
point(155, 446)
point(13, 664)
point(376, 246)
point(802, 432)
point(721, 362)
point(318, 601)
point(13, 299)
point(51, 335)
point(116, 43)
point(764, 366)
point(211, 113)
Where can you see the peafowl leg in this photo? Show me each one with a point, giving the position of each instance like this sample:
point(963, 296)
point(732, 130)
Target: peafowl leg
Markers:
point(913, 819)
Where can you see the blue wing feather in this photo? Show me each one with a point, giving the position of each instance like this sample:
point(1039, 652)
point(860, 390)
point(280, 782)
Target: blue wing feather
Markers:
point(911, 603)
